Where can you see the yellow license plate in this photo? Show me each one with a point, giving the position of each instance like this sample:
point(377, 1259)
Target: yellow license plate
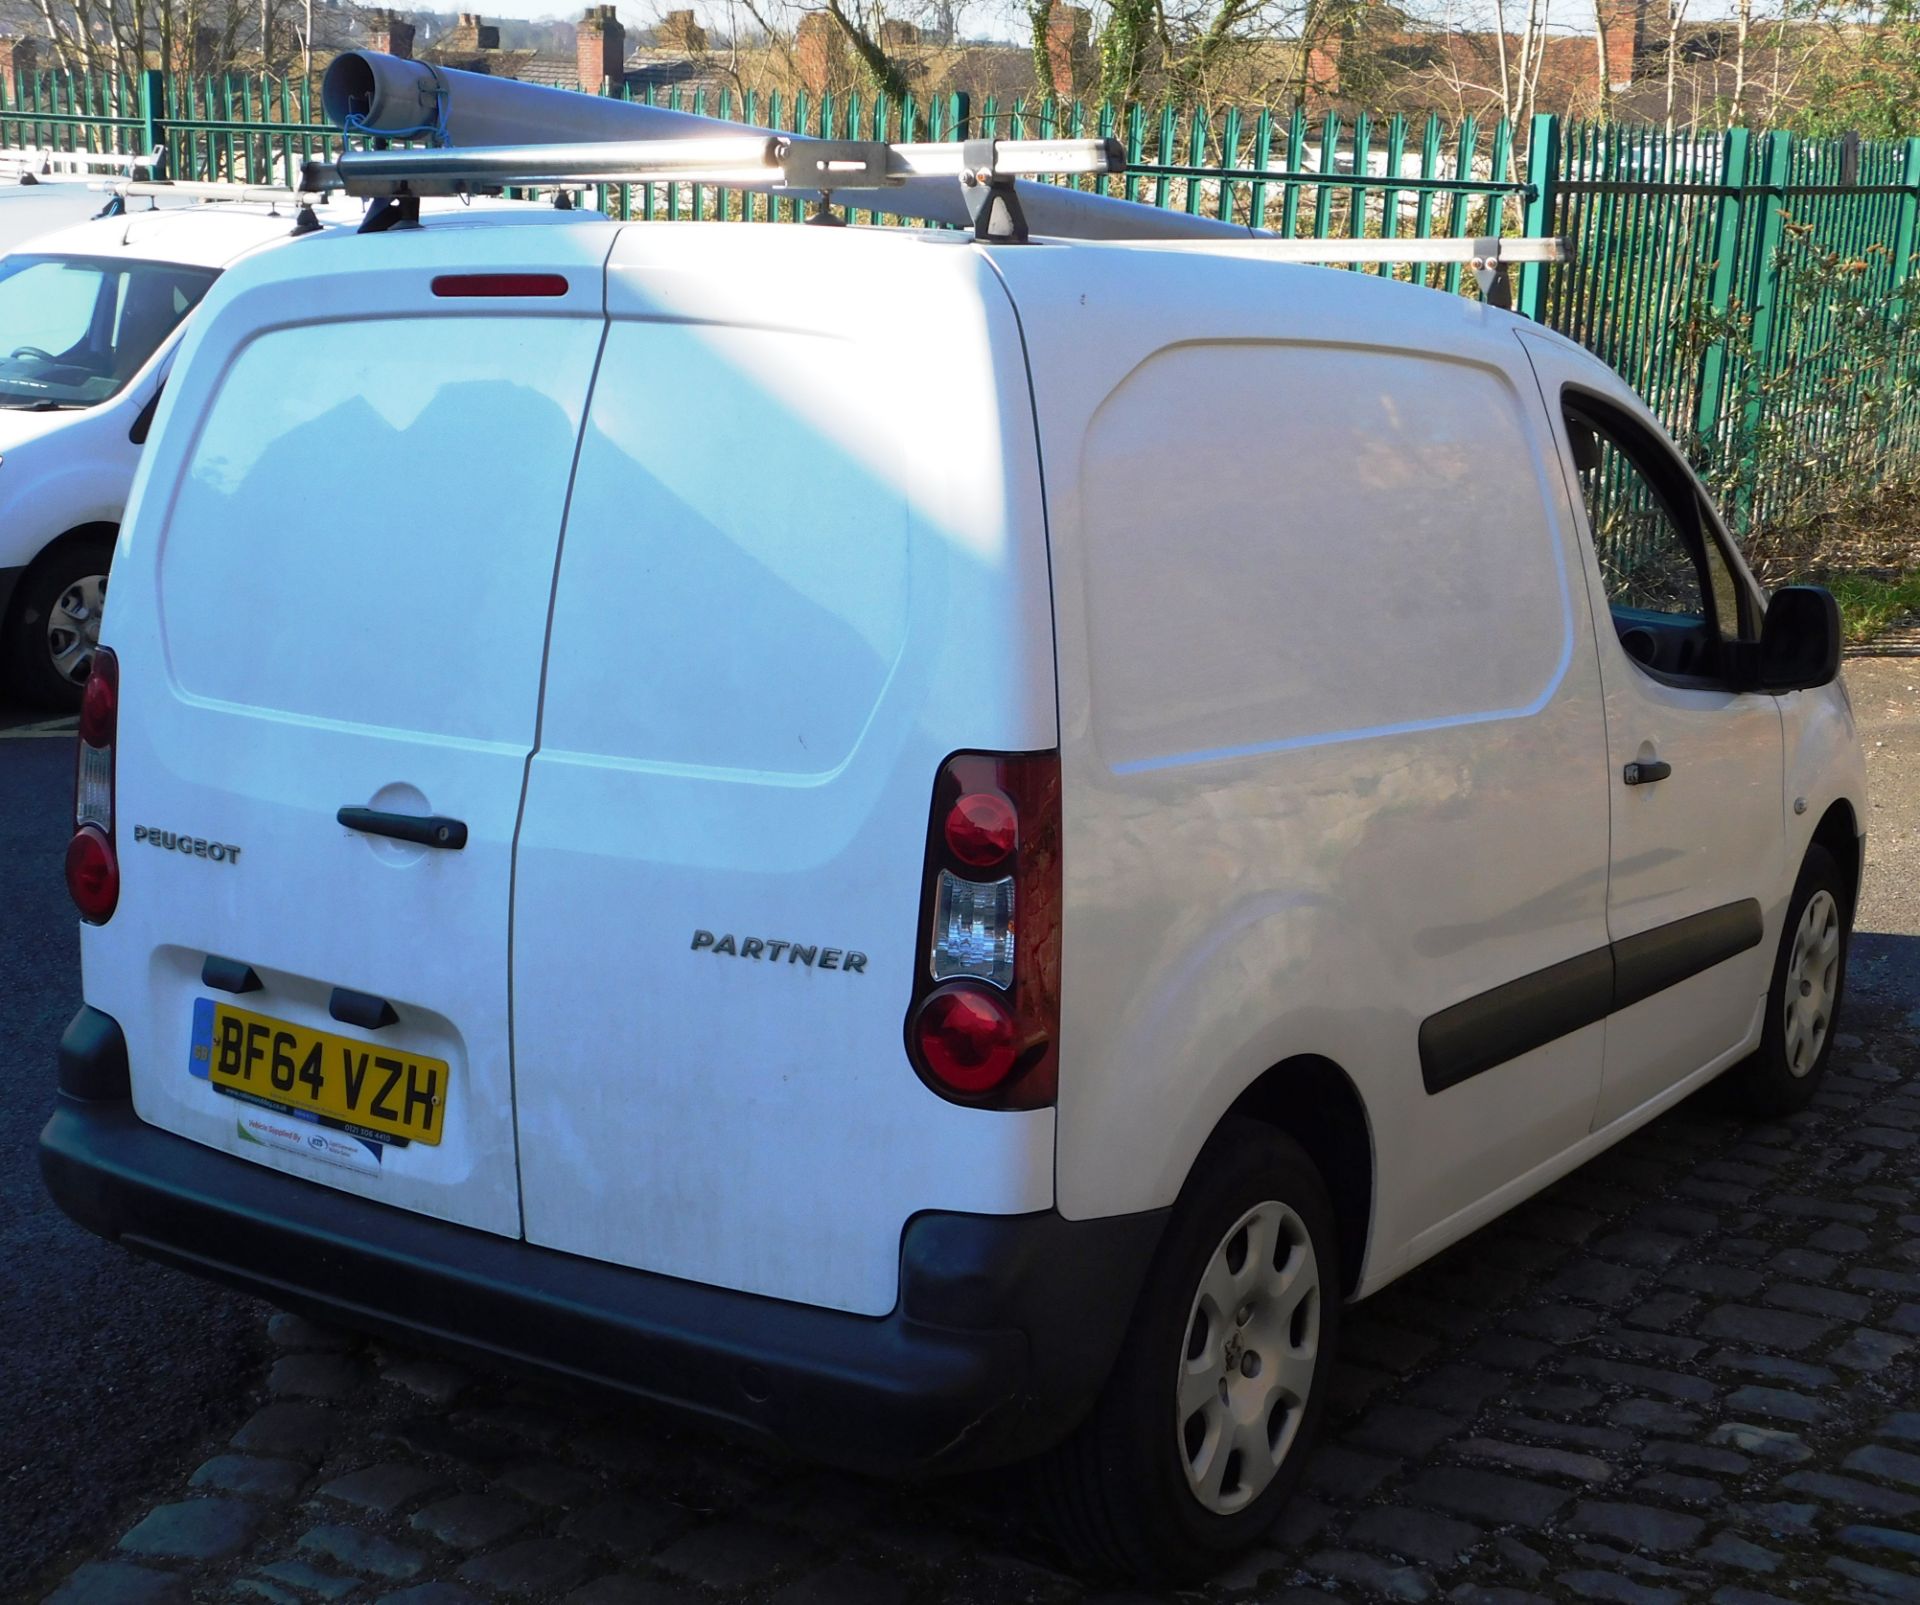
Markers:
point(364, 1088)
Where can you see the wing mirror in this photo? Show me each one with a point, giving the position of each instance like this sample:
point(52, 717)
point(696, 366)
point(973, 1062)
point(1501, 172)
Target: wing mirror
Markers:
point(1800, 639)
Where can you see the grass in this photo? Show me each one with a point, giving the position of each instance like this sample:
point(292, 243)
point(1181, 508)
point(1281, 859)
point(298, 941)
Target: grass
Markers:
point(1870, 607)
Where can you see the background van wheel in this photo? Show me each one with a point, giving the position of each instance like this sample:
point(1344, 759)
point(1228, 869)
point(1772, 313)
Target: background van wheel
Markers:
point(56, 623)
point(1201, 1431)
point(1803, 1001)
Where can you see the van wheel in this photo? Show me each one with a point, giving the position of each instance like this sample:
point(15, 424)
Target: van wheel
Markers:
point(56, 622)
point(1201, 1431)
point(1804, 999)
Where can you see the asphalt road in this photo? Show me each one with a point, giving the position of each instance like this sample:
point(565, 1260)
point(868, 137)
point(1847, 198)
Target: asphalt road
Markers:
point(112, 1371)
point(116, 1376)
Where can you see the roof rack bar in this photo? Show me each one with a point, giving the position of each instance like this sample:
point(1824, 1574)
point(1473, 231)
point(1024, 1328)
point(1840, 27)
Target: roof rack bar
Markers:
point(45, 166)
point(1488, 257)
point(816, 166)
point(207, 190)
point(1471, 251)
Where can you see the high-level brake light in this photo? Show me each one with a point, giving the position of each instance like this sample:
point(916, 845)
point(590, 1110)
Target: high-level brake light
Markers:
point(501, 285)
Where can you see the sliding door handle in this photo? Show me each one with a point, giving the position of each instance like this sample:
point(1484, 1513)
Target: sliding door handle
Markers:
point(1646, 773)
point(429, 830)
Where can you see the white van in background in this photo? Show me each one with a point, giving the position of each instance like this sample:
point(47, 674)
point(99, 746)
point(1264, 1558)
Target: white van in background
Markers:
point(936, 848)
point(89, 318)
point(88, 321)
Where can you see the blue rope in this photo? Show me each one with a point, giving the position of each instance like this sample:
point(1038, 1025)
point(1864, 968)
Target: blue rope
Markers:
point(435, 130)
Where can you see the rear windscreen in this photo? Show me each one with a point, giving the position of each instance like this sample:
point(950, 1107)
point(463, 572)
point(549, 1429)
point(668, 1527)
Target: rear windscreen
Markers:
point(366, 526)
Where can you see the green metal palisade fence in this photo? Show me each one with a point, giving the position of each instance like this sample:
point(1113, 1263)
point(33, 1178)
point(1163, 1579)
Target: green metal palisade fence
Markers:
point(1754, 286)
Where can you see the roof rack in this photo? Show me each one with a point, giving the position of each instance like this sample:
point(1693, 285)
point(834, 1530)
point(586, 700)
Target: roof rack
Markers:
point(984, 168)
point(34, 165)
point(120, 191)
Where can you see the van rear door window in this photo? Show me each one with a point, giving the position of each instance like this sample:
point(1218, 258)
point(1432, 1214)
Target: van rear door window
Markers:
point(366, 528)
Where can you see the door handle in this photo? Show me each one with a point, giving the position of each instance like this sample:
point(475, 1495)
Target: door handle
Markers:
point(429, 830)
point(1646, 773)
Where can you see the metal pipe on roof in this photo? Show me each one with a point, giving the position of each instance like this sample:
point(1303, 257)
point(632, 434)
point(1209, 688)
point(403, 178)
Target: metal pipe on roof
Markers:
point(366, 92)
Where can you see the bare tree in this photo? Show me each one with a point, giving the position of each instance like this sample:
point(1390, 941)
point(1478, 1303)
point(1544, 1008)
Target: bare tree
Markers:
point(1676, 15)
point(1603, 85)
point(1743, 26)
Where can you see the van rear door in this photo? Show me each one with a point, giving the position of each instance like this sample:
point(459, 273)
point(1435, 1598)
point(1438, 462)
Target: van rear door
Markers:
point(786, 595)
point(334, 596)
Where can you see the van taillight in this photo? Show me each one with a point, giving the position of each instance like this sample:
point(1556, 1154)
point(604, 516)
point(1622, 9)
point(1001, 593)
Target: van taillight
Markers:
point(93, 867)
point(93, 875)
point(985, 1016)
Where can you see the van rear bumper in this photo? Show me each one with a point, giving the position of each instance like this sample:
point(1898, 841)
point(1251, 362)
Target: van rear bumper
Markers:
point(1005, 1327)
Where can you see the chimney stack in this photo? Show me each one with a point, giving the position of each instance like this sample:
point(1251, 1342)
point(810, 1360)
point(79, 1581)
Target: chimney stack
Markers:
point(602, 45)
point(819, 52)
point(1069, 49)
point(678, 31)
point(1625, 25)
point(470, 33)
point(19, 58)
point(390, 33)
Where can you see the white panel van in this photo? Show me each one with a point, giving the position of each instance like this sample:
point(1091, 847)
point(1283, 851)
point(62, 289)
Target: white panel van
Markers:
point(937, 849)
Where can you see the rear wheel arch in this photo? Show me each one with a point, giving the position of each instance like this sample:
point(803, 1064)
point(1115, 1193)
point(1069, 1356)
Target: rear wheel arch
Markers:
point(100, 530)
point(1315, 1102)
point(1839, 833)
point(22, 650)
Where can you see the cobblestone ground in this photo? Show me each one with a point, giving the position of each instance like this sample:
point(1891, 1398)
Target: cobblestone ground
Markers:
point(1686, 1373)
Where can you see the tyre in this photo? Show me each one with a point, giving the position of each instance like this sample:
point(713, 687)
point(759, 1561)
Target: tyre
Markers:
point(56, 622)
point(1201, 1431)
point(1803, 1001)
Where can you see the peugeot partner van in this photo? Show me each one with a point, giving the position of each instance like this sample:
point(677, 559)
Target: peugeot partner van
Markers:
point(936, 849)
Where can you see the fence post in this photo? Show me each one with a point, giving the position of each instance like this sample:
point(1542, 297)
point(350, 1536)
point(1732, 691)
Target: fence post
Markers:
point(1726, 241)
point(1536, 222)
point(153, 102)
point(1904, 225)
point(1776, 166)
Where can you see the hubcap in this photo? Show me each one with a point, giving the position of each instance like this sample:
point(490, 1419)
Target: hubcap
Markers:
point(73, 627)
point(1813, 982)
point(1253, 1337)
